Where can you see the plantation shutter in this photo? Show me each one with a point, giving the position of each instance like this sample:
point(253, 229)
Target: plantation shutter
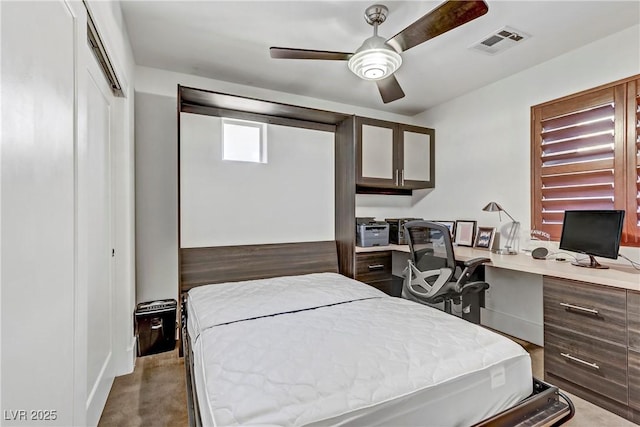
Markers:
point(585, 154)
point(575, 155)
point(633, 235)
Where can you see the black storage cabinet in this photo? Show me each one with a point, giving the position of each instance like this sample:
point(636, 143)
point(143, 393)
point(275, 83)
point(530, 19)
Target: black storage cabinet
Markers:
point(155, 323)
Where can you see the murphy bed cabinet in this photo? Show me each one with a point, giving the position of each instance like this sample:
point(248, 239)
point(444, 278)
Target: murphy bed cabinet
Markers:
point(393, 156)
point(592, 343)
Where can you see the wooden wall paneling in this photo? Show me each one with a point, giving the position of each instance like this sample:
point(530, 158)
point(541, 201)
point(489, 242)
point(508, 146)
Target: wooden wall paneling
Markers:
point(345, 194)
point(201, 266)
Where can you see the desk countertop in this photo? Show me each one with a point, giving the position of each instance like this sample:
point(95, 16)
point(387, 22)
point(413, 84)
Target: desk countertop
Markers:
point(617, 275)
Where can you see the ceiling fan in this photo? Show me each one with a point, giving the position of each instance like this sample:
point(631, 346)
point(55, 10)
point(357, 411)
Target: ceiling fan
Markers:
point(377, 59)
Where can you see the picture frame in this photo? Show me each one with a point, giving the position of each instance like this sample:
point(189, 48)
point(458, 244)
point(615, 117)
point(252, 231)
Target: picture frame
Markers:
point(484, 238)
point(465, 232)
point(451, 225)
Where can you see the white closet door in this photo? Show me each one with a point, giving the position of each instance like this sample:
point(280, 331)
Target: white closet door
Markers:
point(95, 234)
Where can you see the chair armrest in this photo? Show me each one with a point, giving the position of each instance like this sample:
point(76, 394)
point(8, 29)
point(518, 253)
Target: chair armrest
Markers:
point(476, 261)
point(469, 268)
point(473, 287)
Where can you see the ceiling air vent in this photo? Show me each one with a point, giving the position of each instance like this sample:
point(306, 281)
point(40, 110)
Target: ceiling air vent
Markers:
point(500, 40)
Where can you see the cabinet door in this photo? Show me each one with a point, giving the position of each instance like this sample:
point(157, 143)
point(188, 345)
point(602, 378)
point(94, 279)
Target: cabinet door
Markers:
point(376, 153)
point(416, 149)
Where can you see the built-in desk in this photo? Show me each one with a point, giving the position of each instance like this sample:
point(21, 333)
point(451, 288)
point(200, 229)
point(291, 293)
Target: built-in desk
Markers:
point(618, 275)
point(587, 319)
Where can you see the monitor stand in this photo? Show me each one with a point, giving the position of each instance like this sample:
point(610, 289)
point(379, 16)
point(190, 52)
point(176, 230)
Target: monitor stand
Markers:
point(592, 264)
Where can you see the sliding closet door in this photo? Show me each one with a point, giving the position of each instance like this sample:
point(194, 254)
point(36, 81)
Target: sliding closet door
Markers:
point(95, 263)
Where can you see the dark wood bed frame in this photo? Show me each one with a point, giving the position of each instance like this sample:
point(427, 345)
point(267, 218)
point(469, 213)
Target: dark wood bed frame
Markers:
point(211, 265)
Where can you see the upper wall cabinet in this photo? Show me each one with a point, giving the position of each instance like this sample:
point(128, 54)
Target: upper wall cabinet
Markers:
point(393, 157)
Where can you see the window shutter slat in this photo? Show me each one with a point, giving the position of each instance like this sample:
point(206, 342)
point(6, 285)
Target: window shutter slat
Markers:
point(595, 190)
point(570, 120)
point(578, 167)
point(577, 204)
point(604, 176)
point(575, 132)
point(602, 152)
point(582, 142)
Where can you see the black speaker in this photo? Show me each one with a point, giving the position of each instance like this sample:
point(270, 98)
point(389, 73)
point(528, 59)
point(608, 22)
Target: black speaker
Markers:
point(540, 253)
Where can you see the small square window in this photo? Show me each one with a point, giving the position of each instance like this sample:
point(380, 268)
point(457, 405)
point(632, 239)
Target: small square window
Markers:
point(244, 141)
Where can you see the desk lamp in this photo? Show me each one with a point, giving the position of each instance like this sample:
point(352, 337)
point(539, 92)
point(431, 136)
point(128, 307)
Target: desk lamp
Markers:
point(513, 231)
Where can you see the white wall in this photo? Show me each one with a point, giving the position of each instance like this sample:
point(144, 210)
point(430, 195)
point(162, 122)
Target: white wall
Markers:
point(38, 270)
point(156, 170)
point(288, 199)
point(156, 160)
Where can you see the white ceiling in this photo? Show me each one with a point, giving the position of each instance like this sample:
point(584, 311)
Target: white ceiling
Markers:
point(230, 40)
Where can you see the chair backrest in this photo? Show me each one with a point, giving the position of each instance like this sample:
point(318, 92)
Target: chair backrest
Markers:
point(430, 245)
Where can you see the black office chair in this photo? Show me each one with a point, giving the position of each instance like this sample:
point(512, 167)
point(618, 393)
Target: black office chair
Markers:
point(432, 275)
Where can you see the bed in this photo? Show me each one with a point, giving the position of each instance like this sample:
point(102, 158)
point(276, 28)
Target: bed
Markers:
point(317, 348)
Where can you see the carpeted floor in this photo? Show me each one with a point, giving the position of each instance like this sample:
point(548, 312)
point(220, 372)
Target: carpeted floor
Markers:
point(155, 395)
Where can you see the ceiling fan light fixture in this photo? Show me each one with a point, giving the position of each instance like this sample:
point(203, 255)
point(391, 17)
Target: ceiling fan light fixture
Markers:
point(375, 60)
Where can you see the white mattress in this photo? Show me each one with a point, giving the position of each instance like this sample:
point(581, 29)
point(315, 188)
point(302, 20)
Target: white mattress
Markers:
point(344, 354)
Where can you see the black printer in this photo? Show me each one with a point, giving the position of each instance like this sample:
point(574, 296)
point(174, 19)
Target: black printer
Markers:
point(370, 232)
point(396, 229)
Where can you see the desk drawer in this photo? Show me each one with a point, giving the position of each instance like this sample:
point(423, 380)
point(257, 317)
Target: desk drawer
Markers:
point(597, 311)
point(373, 266)
point(593, 364)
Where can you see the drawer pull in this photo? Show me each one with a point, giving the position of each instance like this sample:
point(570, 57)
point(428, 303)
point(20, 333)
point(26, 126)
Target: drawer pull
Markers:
point(575, 359)
point(577, 307)
point(376, 267)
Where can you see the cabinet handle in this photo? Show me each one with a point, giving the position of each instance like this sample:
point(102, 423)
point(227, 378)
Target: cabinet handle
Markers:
point(396, 176)
point(402, 177)
point(575, 359)
point(376, 267)
point(577, 307)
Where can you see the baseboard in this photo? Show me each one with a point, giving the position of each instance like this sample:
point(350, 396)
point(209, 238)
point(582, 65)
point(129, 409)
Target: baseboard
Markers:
point(514, 326)
point(97, 398)
point(132, 352)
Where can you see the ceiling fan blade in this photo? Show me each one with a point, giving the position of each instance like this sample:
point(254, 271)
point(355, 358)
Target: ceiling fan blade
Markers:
point(390, 89)
point(447, 16)
point(287, 53)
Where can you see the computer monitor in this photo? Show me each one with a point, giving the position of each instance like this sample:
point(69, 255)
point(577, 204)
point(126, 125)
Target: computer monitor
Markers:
point(593, 233)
